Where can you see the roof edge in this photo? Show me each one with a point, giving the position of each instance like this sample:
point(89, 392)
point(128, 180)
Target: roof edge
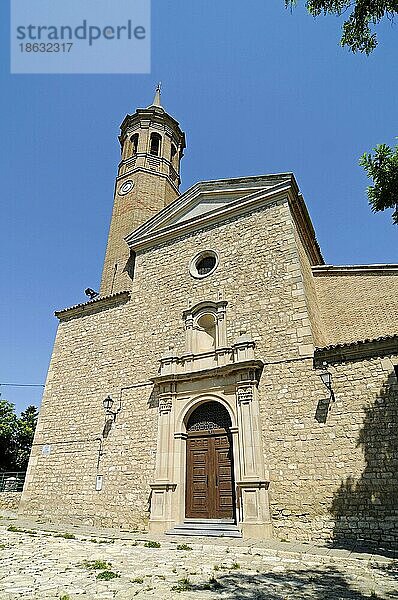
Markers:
point(92, 306)
point(358, 349)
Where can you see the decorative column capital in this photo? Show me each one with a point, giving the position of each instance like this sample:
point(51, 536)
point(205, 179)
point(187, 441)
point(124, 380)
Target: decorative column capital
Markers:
point(244, 393)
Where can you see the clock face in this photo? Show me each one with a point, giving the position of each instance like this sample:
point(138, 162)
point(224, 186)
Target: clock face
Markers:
point(126, 187)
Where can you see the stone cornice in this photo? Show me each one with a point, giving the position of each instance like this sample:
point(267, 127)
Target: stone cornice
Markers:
point(143, 239)
point(306, 229)
point(360, 349)
point(214, 372)
point(329, 270)
point(92, 306)
point(243, 185)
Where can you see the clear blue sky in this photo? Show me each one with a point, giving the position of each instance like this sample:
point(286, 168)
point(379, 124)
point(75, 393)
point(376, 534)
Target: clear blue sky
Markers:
point(256, 89)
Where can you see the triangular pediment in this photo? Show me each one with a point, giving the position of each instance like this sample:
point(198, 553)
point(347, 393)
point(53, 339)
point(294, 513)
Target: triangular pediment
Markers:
point(208, 201)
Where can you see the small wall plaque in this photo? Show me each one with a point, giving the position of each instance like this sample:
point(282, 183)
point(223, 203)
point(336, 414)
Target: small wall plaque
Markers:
point(98, 483)
point(46, 450)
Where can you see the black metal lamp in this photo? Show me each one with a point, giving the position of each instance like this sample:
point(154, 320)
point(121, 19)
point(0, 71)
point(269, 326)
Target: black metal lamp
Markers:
point(107, 403)
point(326, 378)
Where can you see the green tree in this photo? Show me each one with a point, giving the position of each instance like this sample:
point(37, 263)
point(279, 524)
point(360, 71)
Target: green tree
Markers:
point(26, 425)
point(382, 167)
point(16, 436)
point(357, 33)
point(8, 425)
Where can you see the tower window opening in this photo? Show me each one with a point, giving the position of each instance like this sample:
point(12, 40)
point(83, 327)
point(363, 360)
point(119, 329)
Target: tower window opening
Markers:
point(134, 143)
point(173, 155)
point(155, 144)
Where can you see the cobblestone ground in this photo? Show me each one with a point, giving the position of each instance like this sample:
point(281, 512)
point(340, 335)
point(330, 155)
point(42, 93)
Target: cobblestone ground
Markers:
point(37, 563)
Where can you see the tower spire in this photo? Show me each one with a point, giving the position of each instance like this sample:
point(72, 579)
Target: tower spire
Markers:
point(156, 100)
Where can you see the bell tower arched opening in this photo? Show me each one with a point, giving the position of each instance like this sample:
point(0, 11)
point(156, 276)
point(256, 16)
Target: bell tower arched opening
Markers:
point(210, 485)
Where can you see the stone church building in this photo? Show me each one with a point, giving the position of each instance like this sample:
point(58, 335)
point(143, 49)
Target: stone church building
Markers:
point(225, 380)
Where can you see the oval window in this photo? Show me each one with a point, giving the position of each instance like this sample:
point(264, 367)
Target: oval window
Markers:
point(203, 264)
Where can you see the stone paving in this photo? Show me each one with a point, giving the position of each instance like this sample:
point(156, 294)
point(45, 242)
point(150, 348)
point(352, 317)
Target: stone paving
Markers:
point(40, 562)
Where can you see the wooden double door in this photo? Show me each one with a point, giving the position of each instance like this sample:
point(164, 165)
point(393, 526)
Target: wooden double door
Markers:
point(210, 479)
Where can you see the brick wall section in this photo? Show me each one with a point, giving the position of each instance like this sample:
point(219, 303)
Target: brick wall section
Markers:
point(149, 195)
point(355, 307)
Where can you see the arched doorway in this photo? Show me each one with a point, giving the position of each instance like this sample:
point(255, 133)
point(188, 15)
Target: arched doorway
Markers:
point(210, 487)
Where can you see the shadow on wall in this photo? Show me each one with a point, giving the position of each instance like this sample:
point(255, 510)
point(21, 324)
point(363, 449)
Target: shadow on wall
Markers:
point(318, 584)
point(365, 510)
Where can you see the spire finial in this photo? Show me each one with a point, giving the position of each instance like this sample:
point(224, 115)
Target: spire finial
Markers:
point(156, 100)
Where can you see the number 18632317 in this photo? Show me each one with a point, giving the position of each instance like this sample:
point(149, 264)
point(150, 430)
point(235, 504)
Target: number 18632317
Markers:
point(46, 47)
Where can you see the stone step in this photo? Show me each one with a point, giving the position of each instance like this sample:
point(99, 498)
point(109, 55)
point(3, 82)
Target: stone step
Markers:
point(206, 528)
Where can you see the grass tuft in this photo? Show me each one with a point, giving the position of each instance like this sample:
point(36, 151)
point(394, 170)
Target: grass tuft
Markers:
point(107, 575)
point(183, 585)
point(151, 544)
point(96, 564)
point(183, 547)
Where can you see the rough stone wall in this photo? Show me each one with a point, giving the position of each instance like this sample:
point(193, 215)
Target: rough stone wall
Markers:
point(355, 307)
point(311, 298)
point(98, 354)
point(333, 465)
point(10, 500)
point(310, 461)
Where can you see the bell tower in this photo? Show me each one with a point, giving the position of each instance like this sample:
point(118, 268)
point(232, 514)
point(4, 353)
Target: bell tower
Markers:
point(148, 179)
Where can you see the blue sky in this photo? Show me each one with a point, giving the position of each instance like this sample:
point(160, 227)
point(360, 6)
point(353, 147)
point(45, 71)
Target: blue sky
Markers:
point(256, 89)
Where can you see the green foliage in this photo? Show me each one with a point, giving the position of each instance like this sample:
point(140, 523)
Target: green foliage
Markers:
point(66, 536)
point(65, 597)
point(235, 565)
point(96, 564)
point(107, 575)
point(8, 425)
point(16, 436)
point(183, 585)
point(151, 544)
point(183, 547)
point(357, 34)
point(26, 425)
point(382, 167)
point(137, 580)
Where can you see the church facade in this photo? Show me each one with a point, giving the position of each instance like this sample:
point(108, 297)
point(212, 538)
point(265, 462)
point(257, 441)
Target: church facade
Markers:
point(225, 380)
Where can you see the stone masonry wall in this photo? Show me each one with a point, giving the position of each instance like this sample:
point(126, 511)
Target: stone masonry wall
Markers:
point(333, 465)
point(260, 276)
point(355, 307)
point(311, 298)
point(98, 354)
point(10, 500)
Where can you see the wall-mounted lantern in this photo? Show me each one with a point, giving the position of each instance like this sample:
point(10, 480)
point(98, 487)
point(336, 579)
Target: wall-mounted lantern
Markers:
point(326, 378)
point(107, 404)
